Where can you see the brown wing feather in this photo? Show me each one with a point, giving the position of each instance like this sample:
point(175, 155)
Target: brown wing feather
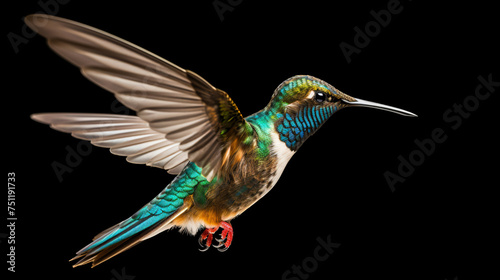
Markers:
point(173, 101)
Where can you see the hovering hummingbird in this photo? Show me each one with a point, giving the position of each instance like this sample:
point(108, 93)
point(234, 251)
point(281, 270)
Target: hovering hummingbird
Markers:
point(223, 161)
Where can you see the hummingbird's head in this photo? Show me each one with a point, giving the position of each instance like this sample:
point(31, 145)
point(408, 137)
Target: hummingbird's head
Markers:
point(302, 104)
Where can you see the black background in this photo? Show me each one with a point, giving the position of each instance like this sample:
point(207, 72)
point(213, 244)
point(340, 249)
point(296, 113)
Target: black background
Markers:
point(437, 224)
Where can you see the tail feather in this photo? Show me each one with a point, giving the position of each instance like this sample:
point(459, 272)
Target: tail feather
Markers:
point(156, 216)
point(121, 233)
point(117, 239)
point(106, 231)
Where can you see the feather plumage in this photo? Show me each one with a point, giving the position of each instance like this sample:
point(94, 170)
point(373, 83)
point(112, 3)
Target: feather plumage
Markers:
point(172, 101)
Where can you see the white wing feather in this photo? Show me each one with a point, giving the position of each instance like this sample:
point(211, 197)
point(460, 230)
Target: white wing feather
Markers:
point(124, 135)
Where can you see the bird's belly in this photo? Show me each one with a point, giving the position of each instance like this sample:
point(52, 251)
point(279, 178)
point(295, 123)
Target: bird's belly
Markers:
point(242, 200)
point(223, 207)
point(222, 201)
point(225, 201)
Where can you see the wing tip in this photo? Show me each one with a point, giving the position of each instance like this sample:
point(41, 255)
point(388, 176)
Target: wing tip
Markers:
point(40, 117)
point(38, 20)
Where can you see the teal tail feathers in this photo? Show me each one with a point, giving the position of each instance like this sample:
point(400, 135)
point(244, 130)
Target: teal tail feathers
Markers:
point(123, 236)
point(153, 218)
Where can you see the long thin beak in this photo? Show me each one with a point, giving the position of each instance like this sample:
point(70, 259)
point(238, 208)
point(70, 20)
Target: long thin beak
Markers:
point(364, 103)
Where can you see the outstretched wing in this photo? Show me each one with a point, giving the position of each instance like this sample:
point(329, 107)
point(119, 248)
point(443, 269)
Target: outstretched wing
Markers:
point(186, 109)
point(124, 135)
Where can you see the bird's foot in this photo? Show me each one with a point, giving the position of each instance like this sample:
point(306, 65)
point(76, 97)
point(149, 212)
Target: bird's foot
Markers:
point(208, 235)
point(226, 237)
point(225, 240)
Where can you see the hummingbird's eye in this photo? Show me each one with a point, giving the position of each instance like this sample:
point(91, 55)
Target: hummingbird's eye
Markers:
point(319, 96)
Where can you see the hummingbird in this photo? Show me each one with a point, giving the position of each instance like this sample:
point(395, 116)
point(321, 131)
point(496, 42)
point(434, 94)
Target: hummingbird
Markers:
point(224, 162)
